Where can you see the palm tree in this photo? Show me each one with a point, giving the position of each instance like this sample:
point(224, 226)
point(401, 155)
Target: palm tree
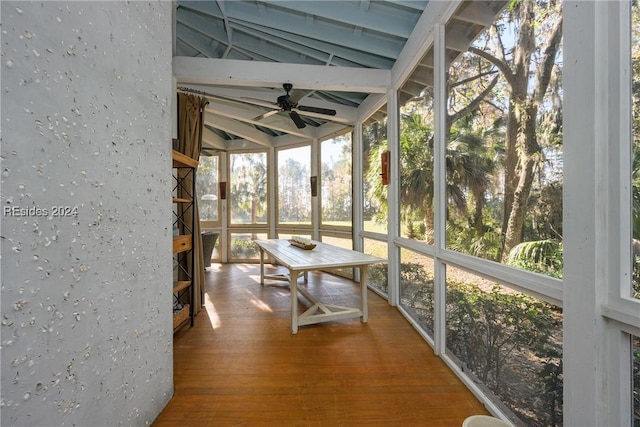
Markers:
point(471, 164)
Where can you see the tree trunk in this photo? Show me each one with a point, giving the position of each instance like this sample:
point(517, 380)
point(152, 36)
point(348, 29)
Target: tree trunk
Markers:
point(429, 221)
point(510, 174)
point(529, 150)
point(515, 166)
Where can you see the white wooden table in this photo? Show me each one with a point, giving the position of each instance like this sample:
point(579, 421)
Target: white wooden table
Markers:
point(322, 257)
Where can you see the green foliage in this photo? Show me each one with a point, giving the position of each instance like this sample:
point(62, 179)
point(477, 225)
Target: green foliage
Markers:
point(416, 230)
point(496, 333)
point(243, 249)
point(248, 187)
point(487, 329)
point(542, 256)
point(336, 177)
point(462, 238)
point(551, 393)
point(417, 292)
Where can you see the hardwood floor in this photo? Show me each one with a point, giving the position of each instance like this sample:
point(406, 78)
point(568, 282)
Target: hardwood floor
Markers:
point(241, 366)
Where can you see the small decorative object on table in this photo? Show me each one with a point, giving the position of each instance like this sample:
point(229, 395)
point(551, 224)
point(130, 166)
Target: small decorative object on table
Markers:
point(302, 243)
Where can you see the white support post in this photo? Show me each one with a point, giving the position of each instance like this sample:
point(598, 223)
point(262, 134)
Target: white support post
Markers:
point(224, 209)
point(315, 201)
point(272, 184)
point(393, 209)
point(596, 217)
point(357, 188)
point(440, 196)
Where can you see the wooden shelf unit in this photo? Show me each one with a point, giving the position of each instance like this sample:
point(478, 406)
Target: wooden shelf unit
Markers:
point(183, 253)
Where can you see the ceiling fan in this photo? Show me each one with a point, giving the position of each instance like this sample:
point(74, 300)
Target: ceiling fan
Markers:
point(288, 103)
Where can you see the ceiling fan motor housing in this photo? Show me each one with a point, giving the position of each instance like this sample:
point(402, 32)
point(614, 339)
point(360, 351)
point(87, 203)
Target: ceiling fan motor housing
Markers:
point(283, 102)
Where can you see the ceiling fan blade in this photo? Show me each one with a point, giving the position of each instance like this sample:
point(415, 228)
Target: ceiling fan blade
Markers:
point(316, 110)
point(296, 95)
point(297, 120)
point(265, 115)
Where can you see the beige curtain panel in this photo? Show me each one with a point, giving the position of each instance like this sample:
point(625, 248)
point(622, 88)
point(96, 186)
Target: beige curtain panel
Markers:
point(190, 123)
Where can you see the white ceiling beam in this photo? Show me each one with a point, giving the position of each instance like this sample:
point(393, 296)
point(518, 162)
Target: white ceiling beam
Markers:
point(288, 140)
point(247, 114)
point(476, 12)
point(411, 4)
point(237, 128)
point(421, 39)
point(370, 105)
point(457, 40)
point(331, 129)
point(212, 140)
point(327, 130)
point(279, 47)
point(396, 24)
point(262, 46)
point(366, 59)
point(320, 29)
point(243, 144)
point(197, 41)
point(213, 71)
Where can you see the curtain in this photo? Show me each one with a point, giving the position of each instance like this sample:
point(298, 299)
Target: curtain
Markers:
point(190, 123)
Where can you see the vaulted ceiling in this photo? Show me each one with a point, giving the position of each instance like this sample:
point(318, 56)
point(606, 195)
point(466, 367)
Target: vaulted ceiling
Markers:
point(336, 54)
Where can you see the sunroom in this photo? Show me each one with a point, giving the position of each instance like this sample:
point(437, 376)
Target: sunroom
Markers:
point(486, 150)
point(451, 157)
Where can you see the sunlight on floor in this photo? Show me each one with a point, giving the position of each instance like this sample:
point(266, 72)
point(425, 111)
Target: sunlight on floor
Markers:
point(258, 303)
point(211, 311)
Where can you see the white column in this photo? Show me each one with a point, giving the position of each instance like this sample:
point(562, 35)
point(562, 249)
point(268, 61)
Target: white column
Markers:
point(596, 212)
point(315, 201)
point(440, 195)
point(393, 217)
point(272, 185)
point(357, 188)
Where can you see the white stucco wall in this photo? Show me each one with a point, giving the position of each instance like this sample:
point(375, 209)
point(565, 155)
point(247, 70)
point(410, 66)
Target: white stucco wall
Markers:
point(86, 289)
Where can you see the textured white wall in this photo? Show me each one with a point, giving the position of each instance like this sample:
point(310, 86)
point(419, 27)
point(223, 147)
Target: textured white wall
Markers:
point(86, 289)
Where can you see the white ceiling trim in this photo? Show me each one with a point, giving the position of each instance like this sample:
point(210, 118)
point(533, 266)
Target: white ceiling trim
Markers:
point(213, 71)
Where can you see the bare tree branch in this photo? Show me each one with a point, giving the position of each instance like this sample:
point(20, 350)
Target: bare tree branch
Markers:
point(548, 62)
point(498, 37)
point(473, 105)
point(470, 79)
point(502, 65)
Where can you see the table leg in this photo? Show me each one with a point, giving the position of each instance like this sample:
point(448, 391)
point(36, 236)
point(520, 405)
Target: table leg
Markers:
point(261, 266)
point(363, 294)
point(293, 289)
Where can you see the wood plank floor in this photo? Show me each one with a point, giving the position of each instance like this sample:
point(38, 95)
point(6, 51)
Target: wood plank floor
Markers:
point(241, 366)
